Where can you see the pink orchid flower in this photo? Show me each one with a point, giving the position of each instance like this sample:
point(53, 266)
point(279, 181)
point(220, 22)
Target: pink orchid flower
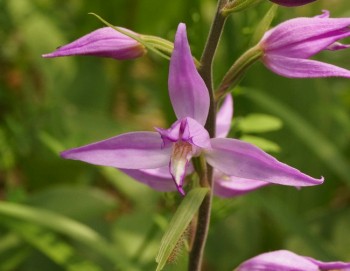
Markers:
point(288, 47)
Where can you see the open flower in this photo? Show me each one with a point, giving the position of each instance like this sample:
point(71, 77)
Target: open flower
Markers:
point(103, 42)
point(173, 148)
point(287, 47)
point(284, 260)
point(292, 3)
point(224, 185)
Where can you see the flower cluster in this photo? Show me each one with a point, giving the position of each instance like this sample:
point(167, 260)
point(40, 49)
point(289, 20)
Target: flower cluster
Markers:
point(165, 155)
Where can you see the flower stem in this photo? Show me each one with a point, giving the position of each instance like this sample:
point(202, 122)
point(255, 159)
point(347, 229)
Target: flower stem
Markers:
point(206, 174)
point(237, 71)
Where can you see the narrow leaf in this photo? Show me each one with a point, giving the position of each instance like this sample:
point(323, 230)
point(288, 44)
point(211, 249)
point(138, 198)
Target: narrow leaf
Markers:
point(69, 227)
point(179, 223)
point(264, 24)
point(51, 245)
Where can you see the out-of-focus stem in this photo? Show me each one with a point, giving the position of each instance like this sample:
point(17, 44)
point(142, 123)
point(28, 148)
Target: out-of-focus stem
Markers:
point(206, 176)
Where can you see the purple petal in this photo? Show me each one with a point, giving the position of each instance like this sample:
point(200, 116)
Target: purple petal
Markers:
point(138, 150)
point(281, 260)
point(228, 186)
point(158, 178)
point(304, 37)
point(240, 159)
point(224, 117)
point(188, 92)
point(103, 42)
point(198, 135)
point(302, 68)
point(292, 3)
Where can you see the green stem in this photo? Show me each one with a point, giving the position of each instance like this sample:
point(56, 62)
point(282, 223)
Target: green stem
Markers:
point(237, 70)
point(206, 173)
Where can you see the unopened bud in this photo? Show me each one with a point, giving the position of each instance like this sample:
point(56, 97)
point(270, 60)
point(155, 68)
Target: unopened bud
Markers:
point(103, 42)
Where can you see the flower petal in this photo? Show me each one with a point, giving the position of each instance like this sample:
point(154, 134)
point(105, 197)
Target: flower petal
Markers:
point(304, 37)
point(228, 186)
point(281, 260)
point(158, 178)
point(240, 159)
point(224, 117)
point(302, 68)
point(188, 92)
point(138, 150)
point(198, 135)
point(103, 42)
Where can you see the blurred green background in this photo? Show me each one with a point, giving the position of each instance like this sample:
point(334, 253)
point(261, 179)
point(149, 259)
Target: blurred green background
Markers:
point(66, 215)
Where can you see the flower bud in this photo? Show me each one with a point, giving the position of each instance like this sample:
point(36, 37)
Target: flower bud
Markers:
point(103, 42)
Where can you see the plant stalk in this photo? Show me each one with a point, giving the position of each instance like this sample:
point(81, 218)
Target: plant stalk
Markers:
point(206, 176)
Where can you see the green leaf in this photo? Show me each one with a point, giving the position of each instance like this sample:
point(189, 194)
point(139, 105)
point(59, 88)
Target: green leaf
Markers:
point(314, 139)
point(179, 224)
point(12, 252)
point(69, 227)
point(77, 202)
point(262, 143)
point(259, 123)
point(51, 245)
point(294, 224)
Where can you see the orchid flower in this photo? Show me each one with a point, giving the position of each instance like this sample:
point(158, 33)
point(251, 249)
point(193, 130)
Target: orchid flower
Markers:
point(284, 260)
point(173, 148)
point(292, 3)
point(103, 42)
point(224, 185)
point(287, 47)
